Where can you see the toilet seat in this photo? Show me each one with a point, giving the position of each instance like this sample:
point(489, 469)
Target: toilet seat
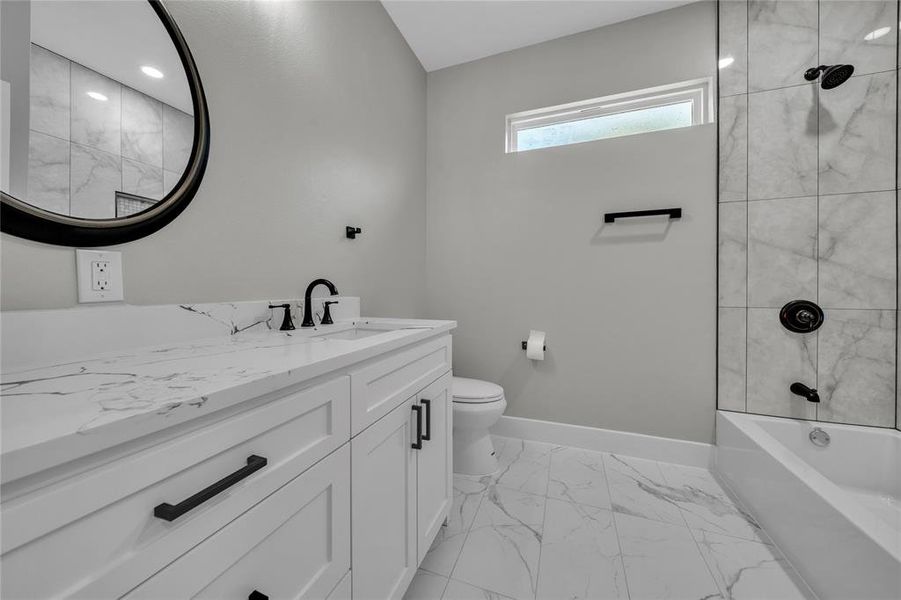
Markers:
point(475, 391)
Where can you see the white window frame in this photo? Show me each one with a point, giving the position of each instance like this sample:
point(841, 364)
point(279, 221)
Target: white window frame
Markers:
point(698, 91)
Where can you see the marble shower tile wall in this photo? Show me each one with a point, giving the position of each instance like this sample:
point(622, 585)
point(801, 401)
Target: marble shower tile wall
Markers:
point(857, 135)
point(782, 42)
point(782, 143)
point(808, 208)
point(83, 150)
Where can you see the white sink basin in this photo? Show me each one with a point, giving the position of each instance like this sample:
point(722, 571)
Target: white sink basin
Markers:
point(366, 329)
point(357, 333)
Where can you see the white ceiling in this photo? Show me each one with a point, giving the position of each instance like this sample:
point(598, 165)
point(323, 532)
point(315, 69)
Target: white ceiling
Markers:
point(449, 32)
point(116, 39)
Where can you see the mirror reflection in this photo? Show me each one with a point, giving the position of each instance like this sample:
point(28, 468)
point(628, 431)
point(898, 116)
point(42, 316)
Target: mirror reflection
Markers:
point(96, 109)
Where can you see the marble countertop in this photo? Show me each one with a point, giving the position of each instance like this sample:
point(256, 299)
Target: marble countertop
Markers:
point(55, 413)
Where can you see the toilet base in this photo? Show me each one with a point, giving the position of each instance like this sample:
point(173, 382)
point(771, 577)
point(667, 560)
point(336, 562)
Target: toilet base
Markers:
point(474, 452)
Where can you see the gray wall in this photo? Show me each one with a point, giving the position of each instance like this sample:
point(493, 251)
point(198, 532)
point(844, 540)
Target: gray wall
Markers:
point(516, 241)
point(318, 121)
point(808, 209)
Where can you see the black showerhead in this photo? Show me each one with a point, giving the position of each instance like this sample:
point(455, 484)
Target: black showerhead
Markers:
point(833, 76)
point(836, 75)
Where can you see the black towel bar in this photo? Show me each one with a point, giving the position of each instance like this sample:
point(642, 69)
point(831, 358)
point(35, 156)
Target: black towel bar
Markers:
point(674, 213)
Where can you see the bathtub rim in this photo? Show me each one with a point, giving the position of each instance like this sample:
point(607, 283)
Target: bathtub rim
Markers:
point(830, 492)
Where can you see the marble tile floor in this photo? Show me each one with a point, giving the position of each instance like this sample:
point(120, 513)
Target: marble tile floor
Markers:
point(560, 523)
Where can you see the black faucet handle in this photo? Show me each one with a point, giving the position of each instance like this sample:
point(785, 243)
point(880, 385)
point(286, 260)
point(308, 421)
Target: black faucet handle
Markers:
point(287, 323)
point(326, 312)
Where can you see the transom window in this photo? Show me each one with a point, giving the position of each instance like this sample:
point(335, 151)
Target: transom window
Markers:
point(642, 111)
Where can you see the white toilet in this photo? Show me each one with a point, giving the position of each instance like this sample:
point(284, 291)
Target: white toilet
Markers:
point(477, 406)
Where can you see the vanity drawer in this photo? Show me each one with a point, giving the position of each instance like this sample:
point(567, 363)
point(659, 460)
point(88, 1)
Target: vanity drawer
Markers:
point(294, 544)
point(95, 535)
point(377, 388)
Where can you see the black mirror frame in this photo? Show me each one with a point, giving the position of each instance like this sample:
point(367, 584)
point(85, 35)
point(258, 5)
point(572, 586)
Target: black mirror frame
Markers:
point(20, 219)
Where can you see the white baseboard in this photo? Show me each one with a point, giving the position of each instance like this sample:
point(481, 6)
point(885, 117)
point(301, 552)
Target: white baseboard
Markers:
point(682, 452)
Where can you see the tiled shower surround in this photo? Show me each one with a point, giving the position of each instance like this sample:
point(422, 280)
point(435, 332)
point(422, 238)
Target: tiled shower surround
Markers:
point(808, 208)
point(82, 151)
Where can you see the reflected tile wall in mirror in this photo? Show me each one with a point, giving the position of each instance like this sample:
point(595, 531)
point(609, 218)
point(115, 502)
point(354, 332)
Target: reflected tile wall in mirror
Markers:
point(178, 139)
point(142, 128)
point(82, 150)
point(808, 208)
point(95, 177)
point(96, 110)
point(142, 179)
point(48, 172)
point(49, 93)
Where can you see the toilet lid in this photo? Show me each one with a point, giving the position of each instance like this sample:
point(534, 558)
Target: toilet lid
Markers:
point(476, 391)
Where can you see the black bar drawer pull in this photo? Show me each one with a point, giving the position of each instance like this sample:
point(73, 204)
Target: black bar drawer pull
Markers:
point(428, 419)
point(255, 595)
point(168, 512)
point(674, 213)
point(417, 445)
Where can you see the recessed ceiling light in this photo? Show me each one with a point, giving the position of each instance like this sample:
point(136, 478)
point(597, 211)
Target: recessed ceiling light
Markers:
point(152, 72)
point(877, 33)
point(725, 62)
point(98, 96)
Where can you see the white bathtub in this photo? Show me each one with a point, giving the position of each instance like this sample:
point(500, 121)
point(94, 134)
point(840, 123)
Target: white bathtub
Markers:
point(834, 511)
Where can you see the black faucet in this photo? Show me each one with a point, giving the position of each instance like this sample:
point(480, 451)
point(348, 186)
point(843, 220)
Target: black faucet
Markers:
point(326, 312)
point(800, 389)
point(307, 301)
point(287, 323)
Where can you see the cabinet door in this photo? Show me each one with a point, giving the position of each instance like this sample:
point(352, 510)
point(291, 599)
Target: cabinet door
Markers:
point(383, 506)
point(434, 467)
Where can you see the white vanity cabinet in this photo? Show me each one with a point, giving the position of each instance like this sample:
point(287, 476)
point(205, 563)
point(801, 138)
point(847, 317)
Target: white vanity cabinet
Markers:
point(434, 468)
point(384, 506)
point(310, 491)
point(402, 480)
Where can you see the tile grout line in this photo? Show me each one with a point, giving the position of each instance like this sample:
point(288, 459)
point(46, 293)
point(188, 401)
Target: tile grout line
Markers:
point(694, 538)
point(544, 521)
point(816, 339)
point(71, 103)
point(444, 589)
point(747, 193)
point(619, 543)
point(800, 85)
point(468, 531)
point(897, 266)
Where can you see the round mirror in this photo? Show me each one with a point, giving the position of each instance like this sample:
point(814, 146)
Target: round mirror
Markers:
point(105, 130)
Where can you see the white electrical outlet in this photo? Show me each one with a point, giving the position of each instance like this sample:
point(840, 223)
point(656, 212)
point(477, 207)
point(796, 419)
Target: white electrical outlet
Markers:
point(99, 275)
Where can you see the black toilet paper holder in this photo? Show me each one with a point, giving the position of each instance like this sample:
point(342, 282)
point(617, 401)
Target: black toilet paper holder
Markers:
point(525, 345)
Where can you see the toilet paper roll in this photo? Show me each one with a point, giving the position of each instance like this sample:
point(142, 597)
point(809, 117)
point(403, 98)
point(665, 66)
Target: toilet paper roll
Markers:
point(535, 345)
